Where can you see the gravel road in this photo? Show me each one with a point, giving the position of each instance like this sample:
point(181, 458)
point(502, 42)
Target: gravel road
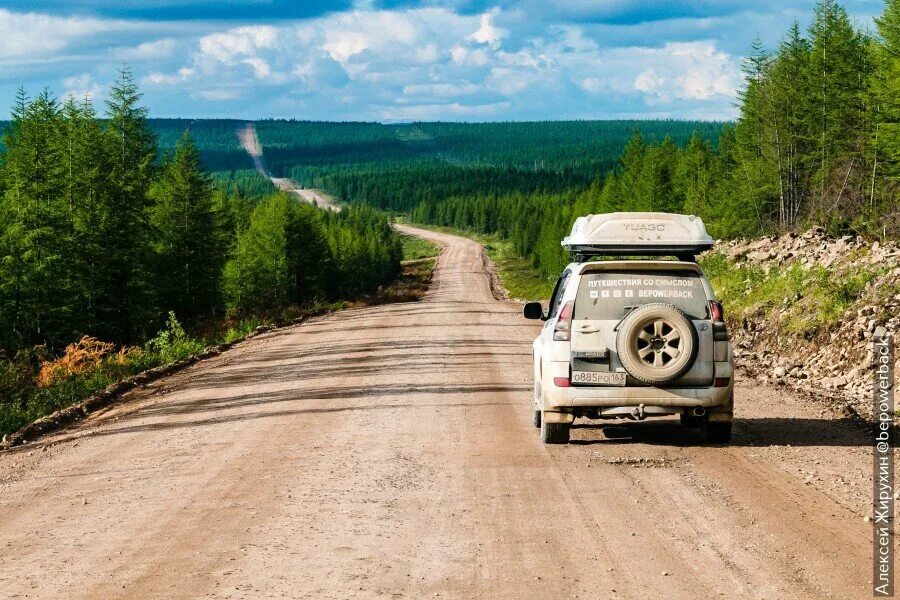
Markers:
point(387, 452)
point(317, 197)
point(250, 142)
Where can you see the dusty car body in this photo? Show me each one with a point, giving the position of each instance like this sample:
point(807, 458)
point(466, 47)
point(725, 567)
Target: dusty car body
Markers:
point(633, 338)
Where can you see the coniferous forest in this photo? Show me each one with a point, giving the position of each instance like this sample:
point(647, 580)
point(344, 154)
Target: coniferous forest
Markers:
point(101, 234)
point(108, 240)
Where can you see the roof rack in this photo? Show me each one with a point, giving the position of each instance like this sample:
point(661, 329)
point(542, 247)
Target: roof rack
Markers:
point(638, 234)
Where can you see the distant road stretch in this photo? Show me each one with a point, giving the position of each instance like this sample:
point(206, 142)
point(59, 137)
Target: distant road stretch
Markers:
point(318, 197)
point(250, 143)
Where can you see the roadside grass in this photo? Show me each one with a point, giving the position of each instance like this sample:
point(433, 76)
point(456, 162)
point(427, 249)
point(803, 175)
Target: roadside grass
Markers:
point(520, 280)
point(804, 300)
point(410, 286)
point(34, 384)
point(416, 248)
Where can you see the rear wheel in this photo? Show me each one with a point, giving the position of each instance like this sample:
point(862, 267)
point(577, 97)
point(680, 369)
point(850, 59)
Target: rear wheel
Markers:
point(717, 432)
point(555, 433)
point(536, 419)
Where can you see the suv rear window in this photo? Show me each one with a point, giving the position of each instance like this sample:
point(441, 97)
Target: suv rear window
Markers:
point(609, 294)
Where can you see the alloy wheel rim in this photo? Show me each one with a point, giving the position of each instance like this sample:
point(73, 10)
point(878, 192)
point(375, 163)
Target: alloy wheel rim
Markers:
point(658, 343)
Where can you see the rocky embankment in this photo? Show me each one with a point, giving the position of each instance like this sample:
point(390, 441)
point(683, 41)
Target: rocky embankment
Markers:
point(791, 277)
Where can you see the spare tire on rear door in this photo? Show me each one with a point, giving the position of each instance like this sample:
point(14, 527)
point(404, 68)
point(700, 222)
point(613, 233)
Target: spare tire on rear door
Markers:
point(656, 343)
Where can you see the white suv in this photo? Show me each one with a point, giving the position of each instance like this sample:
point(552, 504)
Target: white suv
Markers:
point(632, 339)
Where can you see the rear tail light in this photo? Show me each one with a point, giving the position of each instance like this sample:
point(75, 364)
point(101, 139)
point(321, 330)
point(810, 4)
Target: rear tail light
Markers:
point(562, 331)
point(721, 381)
point(716, 312)
point(561, 382)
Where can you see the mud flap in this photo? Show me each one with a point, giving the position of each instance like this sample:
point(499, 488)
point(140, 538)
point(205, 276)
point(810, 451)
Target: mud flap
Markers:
point(558, 417)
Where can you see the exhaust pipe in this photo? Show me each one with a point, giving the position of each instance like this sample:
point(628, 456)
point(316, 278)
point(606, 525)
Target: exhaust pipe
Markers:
point(698, 411)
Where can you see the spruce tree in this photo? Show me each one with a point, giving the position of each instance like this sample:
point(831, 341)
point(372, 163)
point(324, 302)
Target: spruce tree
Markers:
point(632, 164)
point(885, 92)
point(35, 289)
point(87, 187)
point(693, 179)
point(837, 75)
point(129, 306)
point(258, 277)
point(187, 237)
point(793, 134)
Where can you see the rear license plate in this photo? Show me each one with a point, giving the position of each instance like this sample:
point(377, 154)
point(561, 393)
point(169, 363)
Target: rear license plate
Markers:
point(598, 378)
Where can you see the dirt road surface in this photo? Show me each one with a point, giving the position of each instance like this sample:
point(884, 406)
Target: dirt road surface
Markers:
point(387, 452)
point(317, 197)
point(250, 142)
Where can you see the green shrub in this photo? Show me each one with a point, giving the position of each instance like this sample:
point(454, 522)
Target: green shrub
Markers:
point(242, 329)
point(172, 343)
point(16, 380)
point(812, 298)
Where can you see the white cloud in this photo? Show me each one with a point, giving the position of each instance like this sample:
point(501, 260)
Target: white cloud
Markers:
point(462, 55)
point(33, 36)
point(239, 42)
point(593, 85)
point(687, 71)
point(260, 67)
point(156, 78)
point(487, 32)
point(511, 82)
point(217, 95)
point(153, 50)
point(441, 90)
point(649, 82)
point(82, 87)
point(406, 64)
point(349, 34)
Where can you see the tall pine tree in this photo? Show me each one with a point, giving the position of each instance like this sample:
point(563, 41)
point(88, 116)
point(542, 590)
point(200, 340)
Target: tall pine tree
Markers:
point(128, 303)
point(187, 239)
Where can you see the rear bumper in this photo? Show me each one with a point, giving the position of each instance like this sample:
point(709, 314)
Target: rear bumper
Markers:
point(559, 398)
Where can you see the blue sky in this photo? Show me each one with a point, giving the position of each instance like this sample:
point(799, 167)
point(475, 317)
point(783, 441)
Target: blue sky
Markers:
point(399, 60)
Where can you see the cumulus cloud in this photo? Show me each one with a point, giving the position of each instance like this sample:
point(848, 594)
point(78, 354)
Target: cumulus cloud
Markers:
point(33, 36)
point(487, 32)
point(414, 63)
point(153, 50)
point(82, 87)
point(239, 42)
point(683, 71)
point(363, 63)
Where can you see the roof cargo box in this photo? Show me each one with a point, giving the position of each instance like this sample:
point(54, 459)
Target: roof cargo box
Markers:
point(638, 233)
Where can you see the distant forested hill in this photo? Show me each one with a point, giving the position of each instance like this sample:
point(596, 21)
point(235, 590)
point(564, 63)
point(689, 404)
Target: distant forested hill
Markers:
point(216, 138)
point(397, 166)
point(582, 146)
point(577, 145)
